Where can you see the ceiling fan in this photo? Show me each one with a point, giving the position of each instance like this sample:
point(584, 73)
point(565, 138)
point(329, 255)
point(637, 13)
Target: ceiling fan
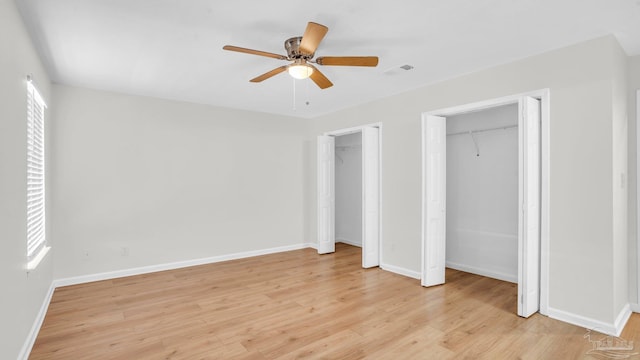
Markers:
point(301, 50)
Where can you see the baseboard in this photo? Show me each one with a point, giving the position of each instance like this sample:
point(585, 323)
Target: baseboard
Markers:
point(401, 271)
point(613, 329)
point(35, 328)
point(174, 265)
point(484, 272)
point(349, 242)
point(635, 308)
point(622, 319)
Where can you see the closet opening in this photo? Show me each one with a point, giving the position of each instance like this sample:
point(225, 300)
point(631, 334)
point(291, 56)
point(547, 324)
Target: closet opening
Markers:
point(348, 164)
point(348, 188)
point(482, 192)
point(485, 194)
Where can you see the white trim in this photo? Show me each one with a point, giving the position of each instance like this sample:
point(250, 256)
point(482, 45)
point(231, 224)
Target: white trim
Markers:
point(380, 198)
point(400, 271)
point(581, 321)
point(635, 308)
point(423, 196)
point(31, 265)
point(31, 86)
point(487, 104)
point(353, 130)
point(637, 196)
point(545, 96)
point(622, 319)
point(174, 265)
point(348, 242)
point(484, 272)
point(545, 197)
point(37, 323)
point(613, 329)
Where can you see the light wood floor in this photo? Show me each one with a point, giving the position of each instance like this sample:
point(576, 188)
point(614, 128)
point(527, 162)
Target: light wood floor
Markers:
point(300, 305)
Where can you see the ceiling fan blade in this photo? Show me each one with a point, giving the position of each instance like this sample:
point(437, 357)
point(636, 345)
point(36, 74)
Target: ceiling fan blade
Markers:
point(254, 52)
point(319, 78)
point(312, 37)
point(269, 74)
point(348, 60)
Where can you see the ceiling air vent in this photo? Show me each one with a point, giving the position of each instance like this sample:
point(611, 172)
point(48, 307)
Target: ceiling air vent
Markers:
point(399, 69)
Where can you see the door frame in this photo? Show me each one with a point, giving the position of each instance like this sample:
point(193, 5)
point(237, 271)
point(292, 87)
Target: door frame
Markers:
point(637, 305)
point(544, 96)
point(360, 129)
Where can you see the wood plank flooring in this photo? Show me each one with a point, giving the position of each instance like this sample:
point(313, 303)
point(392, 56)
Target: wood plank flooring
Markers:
point(300, 305)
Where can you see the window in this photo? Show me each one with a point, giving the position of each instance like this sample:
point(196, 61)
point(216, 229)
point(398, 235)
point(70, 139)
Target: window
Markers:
point(36, 239)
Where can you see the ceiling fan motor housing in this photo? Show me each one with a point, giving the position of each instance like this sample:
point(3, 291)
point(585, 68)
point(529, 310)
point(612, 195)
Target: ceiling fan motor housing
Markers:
point(292, 46)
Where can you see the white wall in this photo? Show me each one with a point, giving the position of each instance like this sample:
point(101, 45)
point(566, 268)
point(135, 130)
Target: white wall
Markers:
point(633, 83)
point(581, 253)
point(142, 181)
point(22, 293)
point(482, 193)
point(348, 184)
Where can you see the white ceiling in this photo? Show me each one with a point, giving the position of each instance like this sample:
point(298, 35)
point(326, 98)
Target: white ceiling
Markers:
point(172, 49)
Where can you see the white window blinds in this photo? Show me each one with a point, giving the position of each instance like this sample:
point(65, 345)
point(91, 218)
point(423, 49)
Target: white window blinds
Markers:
point(36, 240)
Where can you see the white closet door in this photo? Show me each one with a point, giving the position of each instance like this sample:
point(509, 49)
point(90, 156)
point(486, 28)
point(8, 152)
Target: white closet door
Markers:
point(435, 174)
point(529, 216)
point(326, 195)
point(370, 198)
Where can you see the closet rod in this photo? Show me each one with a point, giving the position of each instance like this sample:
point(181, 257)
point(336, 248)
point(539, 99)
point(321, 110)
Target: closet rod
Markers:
point(483, 130)
point(347, 147)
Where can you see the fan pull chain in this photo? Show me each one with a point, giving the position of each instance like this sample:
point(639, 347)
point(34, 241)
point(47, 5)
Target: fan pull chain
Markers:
point(294, 94)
